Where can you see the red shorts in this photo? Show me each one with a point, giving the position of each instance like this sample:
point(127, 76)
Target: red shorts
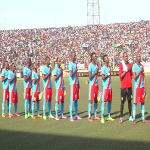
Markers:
point(140, 95)
point(6, 94)
point(14, 97)
point(93, 92)
point(59, 93)
point(74, 92)
point(36, 96)
point(47, 94)
point(107, 95)
point(27, 93)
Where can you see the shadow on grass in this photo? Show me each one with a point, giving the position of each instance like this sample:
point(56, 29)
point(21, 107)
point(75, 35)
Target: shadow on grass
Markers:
point(11, 140)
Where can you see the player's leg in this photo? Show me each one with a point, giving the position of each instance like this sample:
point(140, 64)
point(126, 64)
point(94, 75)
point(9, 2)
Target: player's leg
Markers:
point(16, 114)
point(143, 113)
point(25, 105)
point(90, 105)
point(62, 110)
point(3, 104)
point(56, 105)
point(33, 106)
point(95, 110)
point(44, 105)
point(38, 109)
point(49, 104)
point(134, 113)
point(103, 107)
point(76, 110)
point(8, 108)
point(123, 99)
point(29, 108)
point(109, 111)
point(10, 99)
point(129, 97)
point(71, 103)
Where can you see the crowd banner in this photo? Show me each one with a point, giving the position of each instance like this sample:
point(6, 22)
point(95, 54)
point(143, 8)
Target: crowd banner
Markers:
point(81, 66)
point(146, 64)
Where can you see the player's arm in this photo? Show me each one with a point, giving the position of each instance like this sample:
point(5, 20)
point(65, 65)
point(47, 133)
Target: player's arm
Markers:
point(3, 79)
point(121, 72)
point(144, 83)
point(135, 76)
point(73, 73)
point(26, 78)
point(10, 80)
point(92, 75)
point(56, 77)
point(45, 77)
point(104, 76)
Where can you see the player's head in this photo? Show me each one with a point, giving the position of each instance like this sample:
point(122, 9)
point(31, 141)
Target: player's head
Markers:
point(105, 58)
point(29, 61)
point(6, 65)
point(125, 57)
point(35, 66)
point(47, 60)
point(13, 67)
point(58, 61)
point(93, 56)
point(73, 55)
point(138, 57)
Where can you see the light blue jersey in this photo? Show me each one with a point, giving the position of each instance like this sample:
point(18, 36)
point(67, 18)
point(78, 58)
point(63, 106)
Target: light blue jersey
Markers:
point(5, 75)
point(72, 67)
point(11, 84)
point(105, 71)
point(26, 72)
point(136, 69)
point(34, 85)
point(92, 68)
point(47, 81)
point(58, 81)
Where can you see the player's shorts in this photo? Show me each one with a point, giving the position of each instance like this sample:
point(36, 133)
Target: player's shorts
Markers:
point(74, 92)
point(107, 95)
point(126, 92)
point(59, 95)
point(93, 92)
point(47, 94)
point(139, 95)
point(35, 96)
point(13, 96)
point(27, 93)
point(6, 94)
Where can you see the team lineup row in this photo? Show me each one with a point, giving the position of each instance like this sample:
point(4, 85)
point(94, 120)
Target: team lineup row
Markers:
point(32, 80)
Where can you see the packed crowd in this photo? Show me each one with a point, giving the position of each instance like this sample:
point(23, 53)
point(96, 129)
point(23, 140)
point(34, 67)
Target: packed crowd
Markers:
point(113, 39)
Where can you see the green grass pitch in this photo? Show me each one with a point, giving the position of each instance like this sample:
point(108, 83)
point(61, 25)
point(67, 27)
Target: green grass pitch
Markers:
point(38, 134)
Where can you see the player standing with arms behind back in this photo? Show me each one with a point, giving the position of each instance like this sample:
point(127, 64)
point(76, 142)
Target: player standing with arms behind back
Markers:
point(47, 88)
point(125, 74)
point(59, 89)
point(107, 89)
point(139, 88)
point(5, 89)
point(74, 86)
point(27, 88)
point(93, 87)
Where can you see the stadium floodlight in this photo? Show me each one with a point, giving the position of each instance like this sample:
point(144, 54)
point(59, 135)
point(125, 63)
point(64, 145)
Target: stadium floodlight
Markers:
point(93, 12)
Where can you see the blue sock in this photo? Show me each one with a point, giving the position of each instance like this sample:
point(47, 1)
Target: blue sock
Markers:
point(89, 110)
point(103, 109)
point(56, 109)
point(29, 106)
point(15, 104)
point(109, 109)
point(71, 108)
point(37, 108)
point(25, 105)
point(3, 107)
point(143, 110)
point(33, 105)
point(7, 107)
point(10, 107)
point(76, 108)
point(134, 111)
point(95, 109)
point(44, 108)
point(49, 107)
point(62, 109)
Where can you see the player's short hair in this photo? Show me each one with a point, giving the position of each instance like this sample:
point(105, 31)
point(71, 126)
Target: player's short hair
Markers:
point(47, 58)
point(92, 55)
point(104, 57)
point(124, 53)
point(28, 59)
point(73, 52)
point(57, 59)
point(12, 64)
point(4, 63)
